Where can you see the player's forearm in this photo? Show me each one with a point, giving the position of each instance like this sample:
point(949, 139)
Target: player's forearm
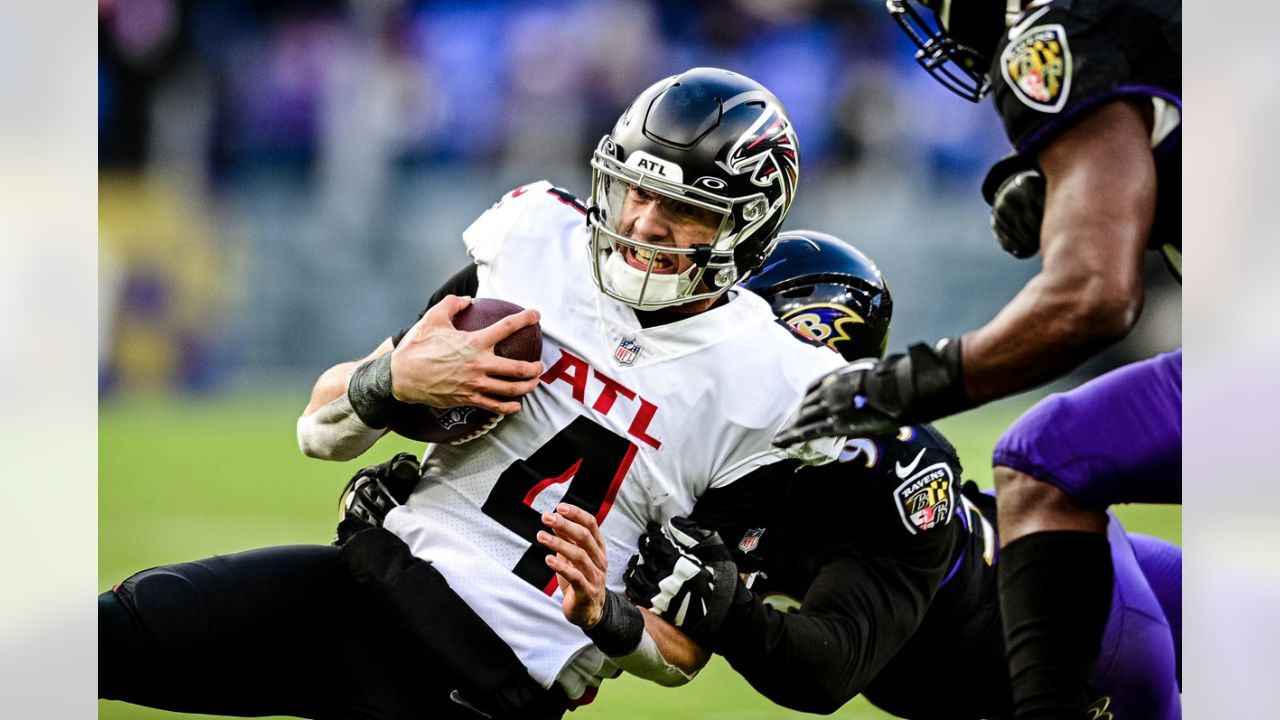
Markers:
point(643, 644)
point(678, 649)
point(335, 432)
point(329, 428)
point(331, 385)
point(856, 616)
point(1048, 329)
point(804, 662)
point(1099, 205)
point(664, 655)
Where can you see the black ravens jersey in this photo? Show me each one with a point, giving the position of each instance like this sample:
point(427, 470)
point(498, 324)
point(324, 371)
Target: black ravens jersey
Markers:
point(1061, 59)
point(888, 566)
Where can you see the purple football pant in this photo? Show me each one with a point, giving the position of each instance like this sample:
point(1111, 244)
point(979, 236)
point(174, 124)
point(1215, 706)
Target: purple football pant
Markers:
point(1138, 666)
point(1161, 563)
point(1114, 439)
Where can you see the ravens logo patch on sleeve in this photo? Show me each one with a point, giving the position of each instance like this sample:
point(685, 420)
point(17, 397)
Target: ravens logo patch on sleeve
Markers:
point(1037, 66)
point(924, 500)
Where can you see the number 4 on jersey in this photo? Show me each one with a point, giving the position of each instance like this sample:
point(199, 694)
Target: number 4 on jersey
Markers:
point(591, 458)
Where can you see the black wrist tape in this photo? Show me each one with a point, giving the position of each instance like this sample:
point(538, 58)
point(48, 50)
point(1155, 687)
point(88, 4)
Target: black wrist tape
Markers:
point(620, 628)
point(369, 391)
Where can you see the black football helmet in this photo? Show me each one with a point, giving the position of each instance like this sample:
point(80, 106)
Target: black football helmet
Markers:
point(958, 47)
point(709, 138)
point(828, 290)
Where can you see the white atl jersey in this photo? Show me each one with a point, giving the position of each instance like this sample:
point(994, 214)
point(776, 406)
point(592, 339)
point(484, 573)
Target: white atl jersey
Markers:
point(632, 424)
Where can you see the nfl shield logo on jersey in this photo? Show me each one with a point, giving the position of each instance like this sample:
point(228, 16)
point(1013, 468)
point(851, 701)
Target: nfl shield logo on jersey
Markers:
point(626, 352)
point(751, 540)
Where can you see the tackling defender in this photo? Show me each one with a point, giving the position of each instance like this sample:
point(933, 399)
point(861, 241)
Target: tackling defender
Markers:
point(875, 575)
point(1090, 94)
point(643, 403)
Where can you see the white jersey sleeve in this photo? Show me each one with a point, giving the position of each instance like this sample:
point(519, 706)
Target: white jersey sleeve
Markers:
point(771, 370)
point(486, 236)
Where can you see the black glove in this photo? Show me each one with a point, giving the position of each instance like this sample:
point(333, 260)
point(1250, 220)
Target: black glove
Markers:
point(685, 574)
point(1017, 210)
point(373, 492)
point(870, 397)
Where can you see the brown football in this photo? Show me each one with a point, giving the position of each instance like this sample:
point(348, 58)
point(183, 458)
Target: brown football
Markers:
point(464, 424)
point(524, 344)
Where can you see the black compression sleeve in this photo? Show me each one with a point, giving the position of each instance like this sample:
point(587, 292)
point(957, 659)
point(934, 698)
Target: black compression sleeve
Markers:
point(464, 282)
point(859, 611)
point(1055, 595)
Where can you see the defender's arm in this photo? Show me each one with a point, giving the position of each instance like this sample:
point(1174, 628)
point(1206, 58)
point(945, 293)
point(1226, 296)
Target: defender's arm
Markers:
point(1099, 208)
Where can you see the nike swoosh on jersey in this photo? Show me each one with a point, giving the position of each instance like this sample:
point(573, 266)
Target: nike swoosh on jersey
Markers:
point(903, 472)
point(1025, 23)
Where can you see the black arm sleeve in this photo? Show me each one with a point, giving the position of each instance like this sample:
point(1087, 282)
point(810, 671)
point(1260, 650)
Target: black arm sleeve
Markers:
point(859, 611)
point(464, 282)
point(834, 537)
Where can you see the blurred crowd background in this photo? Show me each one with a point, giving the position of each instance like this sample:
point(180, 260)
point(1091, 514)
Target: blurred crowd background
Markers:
point(283, 183)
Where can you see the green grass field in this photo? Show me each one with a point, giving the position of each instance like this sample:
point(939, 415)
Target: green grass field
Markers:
point(179, 480)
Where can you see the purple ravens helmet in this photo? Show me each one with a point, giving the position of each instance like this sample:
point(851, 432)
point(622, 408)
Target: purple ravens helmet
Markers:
point(828, 290)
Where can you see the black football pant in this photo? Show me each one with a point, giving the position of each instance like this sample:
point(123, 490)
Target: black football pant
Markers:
point(276, 631)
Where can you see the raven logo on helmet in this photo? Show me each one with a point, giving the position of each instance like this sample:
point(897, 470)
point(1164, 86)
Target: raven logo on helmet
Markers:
point(825, 322)
point(770, 146)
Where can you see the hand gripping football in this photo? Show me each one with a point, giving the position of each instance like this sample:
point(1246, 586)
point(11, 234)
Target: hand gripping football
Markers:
point(459, 425)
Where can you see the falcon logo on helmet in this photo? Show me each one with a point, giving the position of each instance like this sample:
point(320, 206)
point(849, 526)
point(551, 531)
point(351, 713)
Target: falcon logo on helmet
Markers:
point(769, 149)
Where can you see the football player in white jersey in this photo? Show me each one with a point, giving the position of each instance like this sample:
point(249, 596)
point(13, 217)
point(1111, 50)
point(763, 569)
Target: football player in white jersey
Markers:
point(648, 394)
